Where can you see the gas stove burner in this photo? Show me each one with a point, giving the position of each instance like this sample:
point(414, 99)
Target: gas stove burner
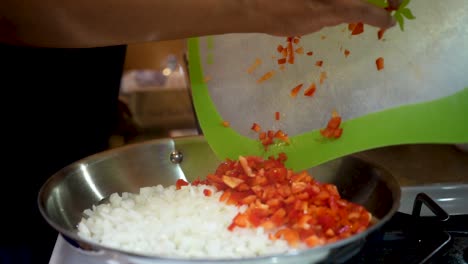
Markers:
point(411, 238)
point(465, 254)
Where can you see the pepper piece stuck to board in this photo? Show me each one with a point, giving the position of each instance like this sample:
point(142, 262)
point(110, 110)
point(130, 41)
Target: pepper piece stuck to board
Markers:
point(256, 127)
point(333, 129)
point(269, 137)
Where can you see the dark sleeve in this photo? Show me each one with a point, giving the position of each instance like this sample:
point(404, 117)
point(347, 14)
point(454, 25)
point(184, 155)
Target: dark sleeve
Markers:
point(58, 106)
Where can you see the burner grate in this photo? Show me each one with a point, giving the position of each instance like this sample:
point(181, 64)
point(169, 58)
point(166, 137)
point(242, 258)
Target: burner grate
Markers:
point(413, 239)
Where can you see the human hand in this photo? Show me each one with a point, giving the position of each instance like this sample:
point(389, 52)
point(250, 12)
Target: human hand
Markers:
point(301, 17)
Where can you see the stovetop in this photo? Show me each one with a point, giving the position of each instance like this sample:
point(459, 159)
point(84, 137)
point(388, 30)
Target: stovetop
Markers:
point(431, 227)
point(411, 239)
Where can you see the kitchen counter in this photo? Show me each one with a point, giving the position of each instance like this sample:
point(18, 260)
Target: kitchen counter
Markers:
point(422, 164)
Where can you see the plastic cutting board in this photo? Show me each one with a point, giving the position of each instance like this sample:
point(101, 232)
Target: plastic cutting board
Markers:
point(421, 95)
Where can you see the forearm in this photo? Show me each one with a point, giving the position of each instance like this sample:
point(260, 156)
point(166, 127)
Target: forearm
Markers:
point(90, 23)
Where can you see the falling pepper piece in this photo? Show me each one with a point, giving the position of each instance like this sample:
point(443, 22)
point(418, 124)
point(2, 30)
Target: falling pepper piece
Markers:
point(290, 53)
point(226, 124)
point(300, 50)
point(319, 63)
point(266, 76)
point(323, 77)
point(282, 61)
point(254, 66)
point(379, 63)
point(277, 116)
point(346, 53)
point(207, 79)
point(280, 48)
point(296, 90)
point(311, 90)
point(380, 33)
point(358, 29)
point(310, 53)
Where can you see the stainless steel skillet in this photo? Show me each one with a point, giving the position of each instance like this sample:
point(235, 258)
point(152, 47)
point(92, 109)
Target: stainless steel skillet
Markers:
point(77, 187)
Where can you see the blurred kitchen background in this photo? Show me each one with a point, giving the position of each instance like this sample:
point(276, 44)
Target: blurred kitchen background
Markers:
point(154, 94)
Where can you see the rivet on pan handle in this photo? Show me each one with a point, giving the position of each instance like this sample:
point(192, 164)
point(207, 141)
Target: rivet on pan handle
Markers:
point(176, 157)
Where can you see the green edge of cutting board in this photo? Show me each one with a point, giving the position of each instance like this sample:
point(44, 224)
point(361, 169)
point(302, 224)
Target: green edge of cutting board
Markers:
point(442, 121)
